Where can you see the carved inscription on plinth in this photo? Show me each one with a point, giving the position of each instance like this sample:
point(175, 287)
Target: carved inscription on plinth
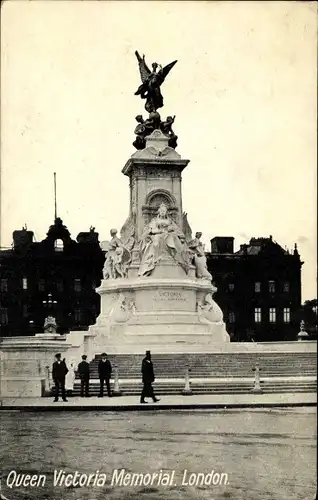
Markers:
point(170, 295)
point(165, 300)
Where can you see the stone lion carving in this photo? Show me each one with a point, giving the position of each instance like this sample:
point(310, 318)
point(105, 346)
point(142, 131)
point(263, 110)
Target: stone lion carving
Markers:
point(122, 309)
point(209, 310)
point(50, 325)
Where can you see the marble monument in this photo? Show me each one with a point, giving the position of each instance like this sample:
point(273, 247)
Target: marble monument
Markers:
point(156, 288)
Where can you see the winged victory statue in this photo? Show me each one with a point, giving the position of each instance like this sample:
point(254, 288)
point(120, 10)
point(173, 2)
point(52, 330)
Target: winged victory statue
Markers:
point(151, 82)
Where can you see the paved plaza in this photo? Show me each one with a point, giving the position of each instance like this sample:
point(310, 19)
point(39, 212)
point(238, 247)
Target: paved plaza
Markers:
point(260, 454)
point(166, 402)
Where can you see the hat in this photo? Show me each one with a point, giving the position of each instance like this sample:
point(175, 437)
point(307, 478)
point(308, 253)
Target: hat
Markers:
point(103, 354)
point(58, 355)
point(147, 352)
point(84, 356)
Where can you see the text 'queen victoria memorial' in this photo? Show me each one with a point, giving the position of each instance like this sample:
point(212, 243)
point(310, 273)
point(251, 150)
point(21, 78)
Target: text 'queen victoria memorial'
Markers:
point(157, 291)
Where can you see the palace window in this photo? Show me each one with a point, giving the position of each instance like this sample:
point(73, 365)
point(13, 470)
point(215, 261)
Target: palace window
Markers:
point(24, 283)
point(257, 315)
point(272, 315)
point(94, 312)
point(78, 315)
point(231, 317)
point(41, 285)
point(4, 285)
point(77, 285)
point(59, 286)
point(286, 287)
point(231, 287)
point(271, 286)
point(257, 286)
point(25, 311)
point(58, 245)
point(3, 316)
point(286, 315)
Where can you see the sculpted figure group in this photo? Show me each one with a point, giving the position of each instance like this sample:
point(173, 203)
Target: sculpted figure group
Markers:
point(146, 127)
point(161, 238)
point(199, 258)
point(117, 259)
point(150, 90)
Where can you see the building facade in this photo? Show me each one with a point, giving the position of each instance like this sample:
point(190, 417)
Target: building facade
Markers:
point(57, 277)
point(259, 288)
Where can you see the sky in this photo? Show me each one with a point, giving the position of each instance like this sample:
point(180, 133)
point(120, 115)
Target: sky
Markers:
point(243, 92)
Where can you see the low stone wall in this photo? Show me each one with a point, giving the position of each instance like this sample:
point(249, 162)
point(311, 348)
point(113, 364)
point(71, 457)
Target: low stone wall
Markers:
point(22, 387)
point(26, 363)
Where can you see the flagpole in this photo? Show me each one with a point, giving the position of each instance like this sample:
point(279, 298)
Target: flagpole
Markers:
point(55, 209)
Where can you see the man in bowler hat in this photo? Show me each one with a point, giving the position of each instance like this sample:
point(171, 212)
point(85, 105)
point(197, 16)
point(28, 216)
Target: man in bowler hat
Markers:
point(59, 371)
point(104, 373)
point(83, 371)
point(148, 377)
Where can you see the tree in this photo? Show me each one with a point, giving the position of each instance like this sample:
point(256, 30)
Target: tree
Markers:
point(309, 315)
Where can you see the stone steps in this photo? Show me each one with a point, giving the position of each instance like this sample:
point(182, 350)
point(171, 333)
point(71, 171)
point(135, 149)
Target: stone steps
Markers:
point(203, 365)
point(208, 387)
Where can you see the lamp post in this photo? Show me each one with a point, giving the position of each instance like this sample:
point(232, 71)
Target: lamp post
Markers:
point(49, 303)
point(31, 326)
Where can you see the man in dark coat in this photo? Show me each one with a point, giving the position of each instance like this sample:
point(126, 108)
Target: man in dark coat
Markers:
point(104, 373)
point(59, 371)
point(148, 377)
point(83, 372)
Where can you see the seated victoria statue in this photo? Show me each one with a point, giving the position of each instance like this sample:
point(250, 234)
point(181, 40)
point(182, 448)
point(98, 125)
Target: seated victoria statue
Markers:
point(162, 238)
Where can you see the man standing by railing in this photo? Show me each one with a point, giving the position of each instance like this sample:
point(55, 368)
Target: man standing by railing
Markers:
point(104, 373)
point(59, 371)
point(83, 371)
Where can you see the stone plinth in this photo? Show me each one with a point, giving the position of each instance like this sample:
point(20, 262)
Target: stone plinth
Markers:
point(156, 311)
point(26, 363)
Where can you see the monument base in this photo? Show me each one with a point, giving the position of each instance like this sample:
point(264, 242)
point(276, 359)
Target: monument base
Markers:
point(155, 312)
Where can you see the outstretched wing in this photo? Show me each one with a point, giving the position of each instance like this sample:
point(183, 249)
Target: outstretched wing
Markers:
point(166, 69)
point(105, 245)
point(143, 68)
point(187, 231)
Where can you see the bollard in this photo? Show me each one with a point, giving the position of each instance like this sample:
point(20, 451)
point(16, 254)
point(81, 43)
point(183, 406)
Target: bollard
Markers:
point(257, 382)
point(187, 389)
point(48, 378)
point(116, 391)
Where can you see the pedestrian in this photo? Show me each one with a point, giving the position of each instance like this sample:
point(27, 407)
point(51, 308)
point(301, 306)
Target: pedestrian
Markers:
point(148, 377)
point(104, 373)
point(59, 371)
point(69, 380)
point(83, 371)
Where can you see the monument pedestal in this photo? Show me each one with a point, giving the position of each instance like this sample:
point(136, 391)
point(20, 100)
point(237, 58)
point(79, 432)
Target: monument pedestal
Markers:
point(155, 311)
